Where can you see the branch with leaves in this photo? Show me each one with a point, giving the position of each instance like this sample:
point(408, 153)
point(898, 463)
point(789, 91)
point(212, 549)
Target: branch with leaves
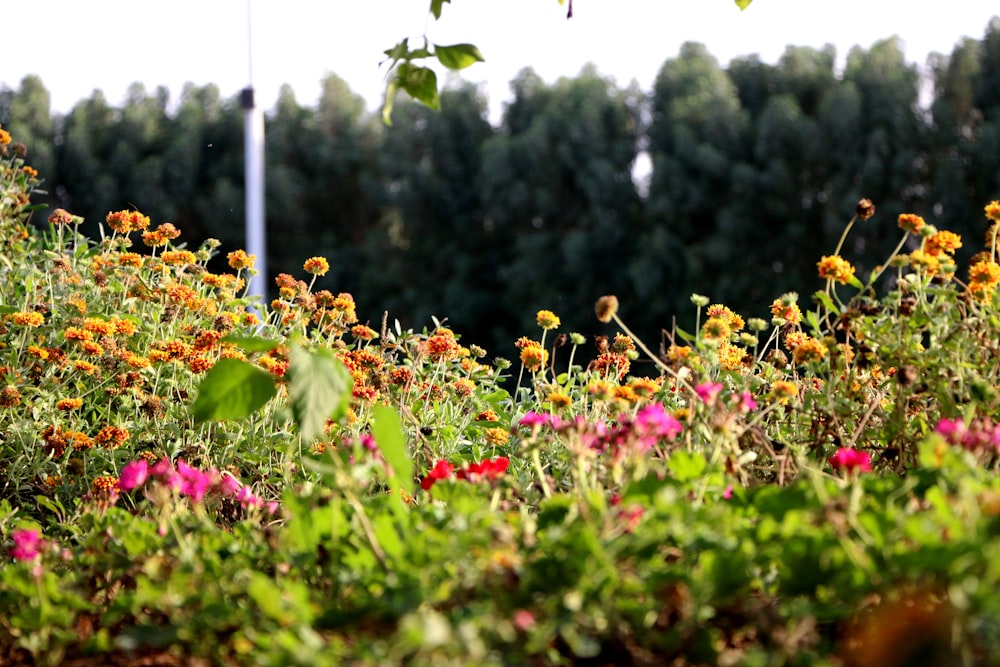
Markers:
point(419, 81)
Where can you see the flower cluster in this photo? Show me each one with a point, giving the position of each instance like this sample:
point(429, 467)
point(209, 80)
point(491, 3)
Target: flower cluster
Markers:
point(981, 434)
point(190, 482)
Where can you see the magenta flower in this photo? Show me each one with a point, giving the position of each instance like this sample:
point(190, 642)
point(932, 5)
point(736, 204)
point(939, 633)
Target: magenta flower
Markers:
point(194, 483)
point(534, 419)
point(229, 485)
point(134, 474)
point(654, 420)
point(27, 544)
point(245, 496)
point(746, 402)
point(707, 391)
point(851, 460)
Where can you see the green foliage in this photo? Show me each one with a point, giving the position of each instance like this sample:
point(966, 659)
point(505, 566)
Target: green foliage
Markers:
point(232, 389)
point(319, 389)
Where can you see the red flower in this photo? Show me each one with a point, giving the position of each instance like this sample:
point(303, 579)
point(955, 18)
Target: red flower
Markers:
point(441, 470)
point(486, 469)
point(851, 460)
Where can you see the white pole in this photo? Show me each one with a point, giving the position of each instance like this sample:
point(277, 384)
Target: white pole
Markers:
point(253, 146)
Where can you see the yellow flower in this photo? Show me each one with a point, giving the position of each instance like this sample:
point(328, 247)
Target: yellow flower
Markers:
point(4, 136)
point(715, 328)
point(809, 350)
point(783, 391)
point(734, 321)
point(986, 274)
point(559, 399)
point(785, 308)
point(318, 266)
point(930, 264)
point(993, 211)
point(547, 320)
point(835, 267)
point(496, 436)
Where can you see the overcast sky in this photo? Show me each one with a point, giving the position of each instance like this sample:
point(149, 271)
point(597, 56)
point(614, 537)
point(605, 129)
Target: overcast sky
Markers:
point(78, 46)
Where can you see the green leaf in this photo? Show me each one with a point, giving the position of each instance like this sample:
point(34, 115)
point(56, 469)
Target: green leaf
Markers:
point(458, 56)
point(687, 466)
point(251, 343)
point(391, 89)
point(420, 83)
point(232, 389)
point(388, 432)
point(436, 8)
point(399, 51)
point(743, 4)
point(319, 388)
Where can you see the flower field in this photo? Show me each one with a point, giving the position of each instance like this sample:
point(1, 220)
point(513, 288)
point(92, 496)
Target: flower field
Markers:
point(190, 477)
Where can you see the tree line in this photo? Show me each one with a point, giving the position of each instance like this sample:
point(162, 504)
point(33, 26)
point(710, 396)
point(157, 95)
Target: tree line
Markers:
point(755, 170)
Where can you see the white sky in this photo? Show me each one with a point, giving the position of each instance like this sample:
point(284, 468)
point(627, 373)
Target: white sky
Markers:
point(78, 46)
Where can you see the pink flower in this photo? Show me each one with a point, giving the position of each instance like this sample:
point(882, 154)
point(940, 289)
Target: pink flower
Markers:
point(27, 544)
point(245, 496)
point(851, 460)
point(728, 493)
point(133, 474)
point(523, 619)
point(441, 470)
point(707, 391)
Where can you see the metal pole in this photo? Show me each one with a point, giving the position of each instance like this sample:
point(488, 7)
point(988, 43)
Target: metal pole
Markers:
point(253, 146)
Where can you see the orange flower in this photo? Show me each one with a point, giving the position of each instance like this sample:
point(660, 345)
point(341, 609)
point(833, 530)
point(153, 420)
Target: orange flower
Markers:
point(69, 404)
point(317, 266)
point(835, 267)
point(715, 328)
point(942, 242)
point(809, 350)
point(27, 318)
point(178, 257)
point(239, 260)
point(911, 222)
point(111, 437)
point(125, 222)
point(534, 357)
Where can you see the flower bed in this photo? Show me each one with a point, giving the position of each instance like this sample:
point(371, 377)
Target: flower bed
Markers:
point(191, 476)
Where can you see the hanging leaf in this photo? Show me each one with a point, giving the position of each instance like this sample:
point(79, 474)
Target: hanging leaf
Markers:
point(458, 56)
point(743, 4)
point(319, 388)
point(232, 389)
point(420, 83)
point(436, 7)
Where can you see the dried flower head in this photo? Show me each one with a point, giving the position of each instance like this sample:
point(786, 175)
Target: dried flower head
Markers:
point(606, 308)
point(865, 209)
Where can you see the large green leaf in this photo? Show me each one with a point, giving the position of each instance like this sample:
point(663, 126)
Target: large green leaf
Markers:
point(388, 432)
point(252, 343)
point(232, 389)
point(458, 56)
point(743, 4)
point(319, 387)
point(420, 83)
